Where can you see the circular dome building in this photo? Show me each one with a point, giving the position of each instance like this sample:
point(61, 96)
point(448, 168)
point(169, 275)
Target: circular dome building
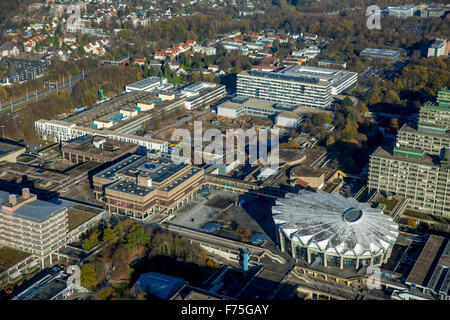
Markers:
point(331, 230)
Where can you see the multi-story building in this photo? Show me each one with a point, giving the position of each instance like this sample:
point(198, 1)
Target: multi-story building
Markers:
point(101, 150)
point(438, 48)
point(427, 138)
point(300, 85)
point(139, 186)
point(421, 178)
point(32, 225)
point(432, 132)
point(55, 130)
point(22, 70)
point(201, 93)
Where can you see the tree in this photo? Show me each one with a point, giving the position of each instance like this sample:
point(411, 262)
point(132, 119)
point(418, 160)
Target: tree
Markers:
point(91, 242)
point(88, 276)
point(330, 141)
point(125, 34)
point(410, 222)
point(3, 94)
point(347, 102)
point(109, 235)
point(138, 237)
point(167, 72)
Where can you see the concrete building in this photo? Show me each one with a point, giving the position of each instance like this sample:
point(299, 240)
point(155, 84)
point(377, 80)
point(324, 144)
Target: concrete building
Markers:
point(427, 138)
point(32, 225)
point(423, 179)
point(301, 85)
point(9, 151)
point(438, 48)
point(139, 186)
point(330, 230)
point(432, 131)
point(101, 150)
point(384, 54)
point(432, 11)
point(21, 70)
point(431, 271)
point(403, 12)
point(55, 130)
point(332, 64)
point(201, 93)
point(283, 115)
point(150, 84)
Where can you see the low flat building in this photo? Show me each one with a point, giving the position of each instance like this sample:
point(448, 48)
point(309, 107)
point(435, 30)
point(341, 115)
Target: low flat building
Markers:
point(384, 54)
point(150, 84)
point(98, 149)
point(159, 285)
point(139, 186)
point(10, 151)
point(55, 130)
point(403, 12)
point(332, 64)
point(431, 272)
point(283, 115)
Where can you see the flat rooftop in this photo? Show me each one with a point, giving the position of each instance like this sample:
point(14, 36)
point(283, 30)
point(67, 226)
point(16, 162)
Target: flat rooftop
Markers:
point(7, 148)
point(36, 211)
point(9, 257)
point(130, 187)
point(146, 82)
point(426, 159)
point(380, 52)
point(431, 269)
point(108, 149)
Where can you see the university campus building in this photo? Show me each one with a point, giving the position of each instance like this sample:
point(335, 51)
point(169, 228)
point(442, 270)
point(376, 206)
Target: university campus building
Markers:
point(139, 186)
point(300, 85)
point(418, 167)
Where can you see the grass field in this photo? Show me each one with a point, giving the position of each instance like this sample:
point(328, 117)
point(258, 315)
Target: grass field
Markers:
point(10, 256)
point(390, 204)
point(77, 217)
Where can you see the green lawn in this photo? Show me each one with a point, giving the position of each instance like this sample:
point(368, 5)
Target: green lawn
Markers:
point(10, 256)
point(390, 204)
point(77, 217)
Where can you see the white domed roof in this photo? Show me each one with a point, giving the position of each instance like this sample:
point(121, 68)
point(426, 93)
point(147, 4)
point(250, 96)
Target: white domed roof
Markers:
point(332, 222)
